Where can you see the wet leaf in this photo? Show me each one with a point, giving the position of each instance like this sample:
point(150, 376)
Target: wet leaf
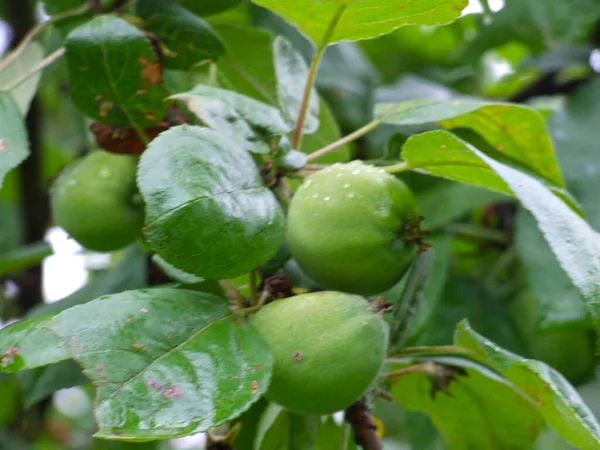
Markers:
point(165, 362)
point(114, 74)
point(188, 40)
point(24, 93)
point(574, 243)
point(514, 131)
point(291, 72)
point(208, 212)
point(559, 300)
point(280, 429)
point(363, 19)
point(249, 122)
point(29, 344)
point(470, 404)
point(14, 144)
point(248, 69)
point(559, 403)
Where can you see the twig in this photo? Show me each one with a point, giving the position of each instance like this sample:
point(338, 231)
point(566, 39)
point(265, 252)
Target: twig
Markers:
point(312, 76)
point(253, 287)
point(345, 140)
point(363, 427)
point(37, 30)
point(232, 293)
point(477, 232)
point(52, 57)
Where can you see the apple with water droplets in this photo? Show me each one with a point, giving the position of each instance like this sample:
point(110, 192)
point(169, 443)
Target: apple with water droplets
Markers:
point(354, 228)
point(96, 201)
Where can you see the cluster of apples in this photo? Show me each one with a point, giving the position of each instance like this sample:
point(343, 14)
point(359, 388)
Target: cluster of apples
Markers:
point(348, 229)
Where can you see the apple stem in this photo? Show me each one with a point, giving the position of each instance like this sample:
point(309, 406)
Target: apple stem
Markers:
point(312, 76)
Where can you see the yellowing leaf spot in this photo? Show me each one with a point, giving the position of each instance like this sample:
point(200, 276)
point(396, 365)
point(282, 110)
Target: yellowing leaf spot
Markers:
point(151, 72)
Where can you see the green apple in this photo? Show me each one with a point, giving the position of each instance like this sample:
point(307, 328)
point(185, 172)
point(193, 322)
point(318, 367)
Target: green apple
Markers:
point(95, 200)
point(353, 227)
point(328, 348)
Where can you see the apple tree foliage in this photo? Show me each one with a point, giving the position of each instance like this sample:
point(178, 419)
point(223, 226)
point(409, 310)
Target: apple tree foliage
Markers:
point(220, 111)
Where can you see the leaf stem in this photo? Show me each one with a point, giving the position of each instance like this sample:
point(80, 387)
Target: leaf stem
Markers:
point(24, 257)
point(312, 76)
point(232, 293)
point(52, 57)
point(345, 140)
point(477, 232)
point(487, 11)
point(404, 166)
point(37, 30)
point(253, 287)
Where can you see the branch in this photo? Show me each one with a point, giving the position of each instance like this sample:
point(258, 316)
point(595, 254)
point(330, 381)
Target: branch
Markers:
point(345, 140)
point(312, 76)
point(37, 29)
point(52, 57)
point(363, 427)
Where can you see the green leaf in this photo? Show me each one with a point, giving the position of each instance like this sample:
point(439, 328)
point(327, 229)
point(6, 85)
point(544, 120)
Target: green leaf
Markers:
point(9, 408)
point(363, 19)
point(114, 74)
point(478, 407)
point(569, 350)
point(559, 403)
point(174, 272)
point(576, 134)
point(209, 7)
point(333, 436)
point(347, 81)
point(280, 429)
point(538, 23)
point(52, 7)
point(30, 344)
point(165, 362)
point(420, 293)
point(559, 300)
point(24, 93)
point(249, 122)
point(248, 65)
point(188, 39)
point(515, 132)
point(574, 243)
point(38, 384)
point(248, 69)
point(446, 202)
point(208, 212)
point(410, 298)
point(292, 72)
point(24, 257)
point(14, 145)
point(128, 273)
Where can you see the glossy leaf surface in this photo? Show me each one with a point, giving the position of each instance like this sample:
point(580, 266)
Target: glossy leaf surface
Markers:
point(574, 243)
point(559, 403)
point(26, 61)
point(188, 40)
point(280, 429)
point(208, 212)
point(477, 407)
point(14, 144)
point(248, 68)
point(291, 72)
point(165, 362)
point(114, 74)
point(513, 131)
point(363, 19)
point(250, 122)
